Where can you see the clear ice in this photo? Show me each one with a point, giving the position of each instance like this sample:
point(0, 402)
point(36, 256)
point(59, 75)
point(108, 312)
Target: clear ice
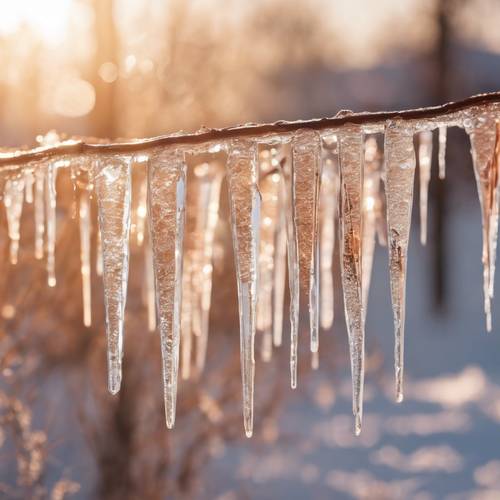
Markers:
point(113, 190)
point(481, 128)
point(166, 202)
point(424, 170)
point(306, 177)
point(399, 178)
point(328, 214)
point(244, 199)
point(13, 198)
point(351, 216)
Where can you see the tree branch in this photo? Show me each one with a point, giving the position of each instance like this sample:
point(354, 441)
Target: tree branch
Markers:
point(80, 146)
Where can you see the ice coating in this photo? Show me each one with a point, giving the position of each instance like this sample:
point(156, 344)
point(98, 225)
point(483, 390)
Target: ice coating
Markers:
point(481, 127)
point(13, 198)
point(351, 213)
point(399, 178)
point(424, 170)
point(371, 212)
point(113, 190)
point(306, 176)
point(166, 204)
point(328, 213)
point(442, 133)
point(244, 199)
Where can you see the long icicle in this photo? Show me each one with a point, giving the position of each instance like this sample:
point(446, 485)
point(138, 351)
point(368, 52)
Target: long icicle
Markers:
point(329, 194)
point(244, 201)
point(269, 186)
point(85, 227)
point(212, 181)
point(50, 217)
point(424, 170)
point(399, 178)
point(481, 129)
point(351, 186)
point(39, 209)
point(293, 274)
point(371, 199)
point(166, 201)
point(279, 278)
point(13, 200)
point(306, 176)
point(113, 189)
point(442, 151)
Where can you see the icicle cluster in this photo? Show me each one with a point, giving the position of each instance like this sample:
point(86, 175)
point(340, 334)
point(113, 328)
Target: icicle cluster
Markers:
point(289, 197)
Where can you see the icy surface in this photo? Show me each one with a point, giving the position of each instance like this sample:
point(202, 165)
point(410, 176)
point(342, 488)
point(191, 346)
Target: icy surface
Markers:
point(399, 177)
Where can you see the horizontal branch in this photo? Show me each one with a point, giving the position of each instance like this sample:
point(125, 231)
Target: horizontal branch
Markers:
point(213, 135)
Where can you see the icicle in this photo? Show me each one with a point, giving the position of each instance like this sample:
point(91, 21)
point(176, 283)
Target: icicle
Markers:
point(50, 217)
point(279, 278)
point(39, 209)
point(328, 213)
point(13, 201)
point(270, 187)
point(245, 217)
point(166, 199)
point(399, 177)
point(306, 175)
point(293, 273)
point(351, 185)
point(424, 169)
point(482, 132)
point(84, 213)
point(442, 152)
point(371, 199)
point(113, 189)
point(208, 181)
point(29, 180)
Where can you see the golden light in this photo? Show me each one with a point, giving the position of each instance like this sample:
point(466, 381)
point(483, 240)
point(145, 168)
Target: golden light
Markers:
point(48, 20)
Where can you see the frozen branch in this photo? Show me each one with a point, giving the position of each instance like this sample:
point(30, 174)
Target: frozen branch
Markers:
point(79, 146)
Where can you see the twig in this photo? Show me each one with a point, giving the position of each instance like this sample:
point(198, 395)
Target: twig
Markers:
point(80, 146)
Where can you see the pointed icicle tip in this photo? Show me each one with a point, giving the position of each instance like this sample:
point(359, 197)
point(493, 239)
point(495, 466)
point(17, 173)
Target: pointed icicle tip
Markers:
point(357, 424)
